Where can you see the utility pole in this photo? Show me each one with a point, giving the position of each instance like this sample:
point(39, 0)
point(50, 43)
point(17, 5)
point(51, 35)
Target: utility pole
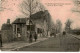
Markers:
point(30, 14)
point(30, 37)
point(30, 18)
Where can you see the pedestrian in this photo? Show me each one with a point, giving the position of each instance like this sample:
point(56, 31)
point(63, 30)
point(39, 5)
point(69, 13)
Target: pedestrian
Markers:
point(64, 33)
point(19, 36)
point(54, 34)
point(30, 38)
point(0, 40)
point(35, 37)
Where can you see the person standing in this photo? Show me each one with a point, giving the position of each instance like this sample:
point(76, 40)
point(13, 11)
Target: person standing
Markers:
point(35, 37)
point(30, 38)
point(64, 33)
point(19, 36)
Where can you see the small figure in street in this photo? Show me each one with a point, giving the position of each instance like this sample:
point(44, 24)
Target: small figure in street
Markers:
point(0, 40)
point(19, 36)
point(35, 37)
point(30, 38)
point(64, 33)
point(54, 34)
point(51, 35)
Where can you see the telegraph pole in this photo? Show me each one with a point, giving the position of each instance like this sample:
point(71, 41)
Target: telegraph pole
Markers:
point(30, 37)
point(30, 17)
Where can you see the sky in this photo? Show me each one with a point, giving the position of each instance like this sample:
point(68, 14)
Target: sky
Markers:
point(59, 9)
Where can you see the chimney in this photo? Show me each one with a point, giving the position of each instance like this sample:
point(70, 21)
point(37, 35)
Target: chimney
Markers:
point(8, 21)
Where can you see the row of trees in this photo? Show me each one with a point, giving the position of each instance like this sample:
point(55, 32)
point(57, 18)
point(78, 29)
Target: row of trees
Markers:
point(68, 26)
point(57, 28)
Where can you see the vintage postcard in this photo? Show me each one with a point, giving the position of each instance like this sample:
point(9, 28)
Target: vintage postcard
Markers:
point(40, 25)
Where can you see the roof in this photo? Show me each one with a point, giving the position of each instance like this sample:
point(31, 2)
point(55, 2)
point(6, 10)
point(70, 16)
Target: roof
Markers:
point(20, 21)
point(41, 16)
point(37, 15)
point(6, 27)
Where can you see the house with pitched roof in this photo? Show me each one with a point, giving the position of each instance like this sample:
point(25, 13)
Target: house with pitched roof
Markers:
point(21, 26)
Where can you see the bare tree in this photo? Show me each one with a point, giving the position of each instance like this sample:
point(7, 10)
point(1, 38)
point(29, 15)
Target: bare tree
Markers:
point(29, 7)
point(53, 27)
point(76, 2)
point(3, 4)
point(68, 25)
point(76, 6)
point(58, 26)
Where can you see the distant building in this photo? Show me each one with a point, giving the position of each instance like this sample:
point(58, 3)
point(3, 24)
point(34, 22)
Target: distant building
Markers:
point(6, 32)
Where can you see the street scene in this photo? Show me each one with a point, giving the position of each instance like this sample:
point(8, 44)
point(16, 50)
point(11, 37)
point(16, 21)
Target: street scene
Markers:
point(64, 43)
point(39, 25)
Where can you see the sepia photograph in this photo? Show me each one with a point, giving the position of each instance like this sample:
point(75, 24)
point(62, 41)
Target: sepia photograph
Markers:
point(40, 25)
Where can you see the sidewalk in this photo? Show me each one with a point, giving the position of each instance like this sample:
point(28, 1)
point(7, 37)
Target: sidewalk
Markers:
point(16, 45)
